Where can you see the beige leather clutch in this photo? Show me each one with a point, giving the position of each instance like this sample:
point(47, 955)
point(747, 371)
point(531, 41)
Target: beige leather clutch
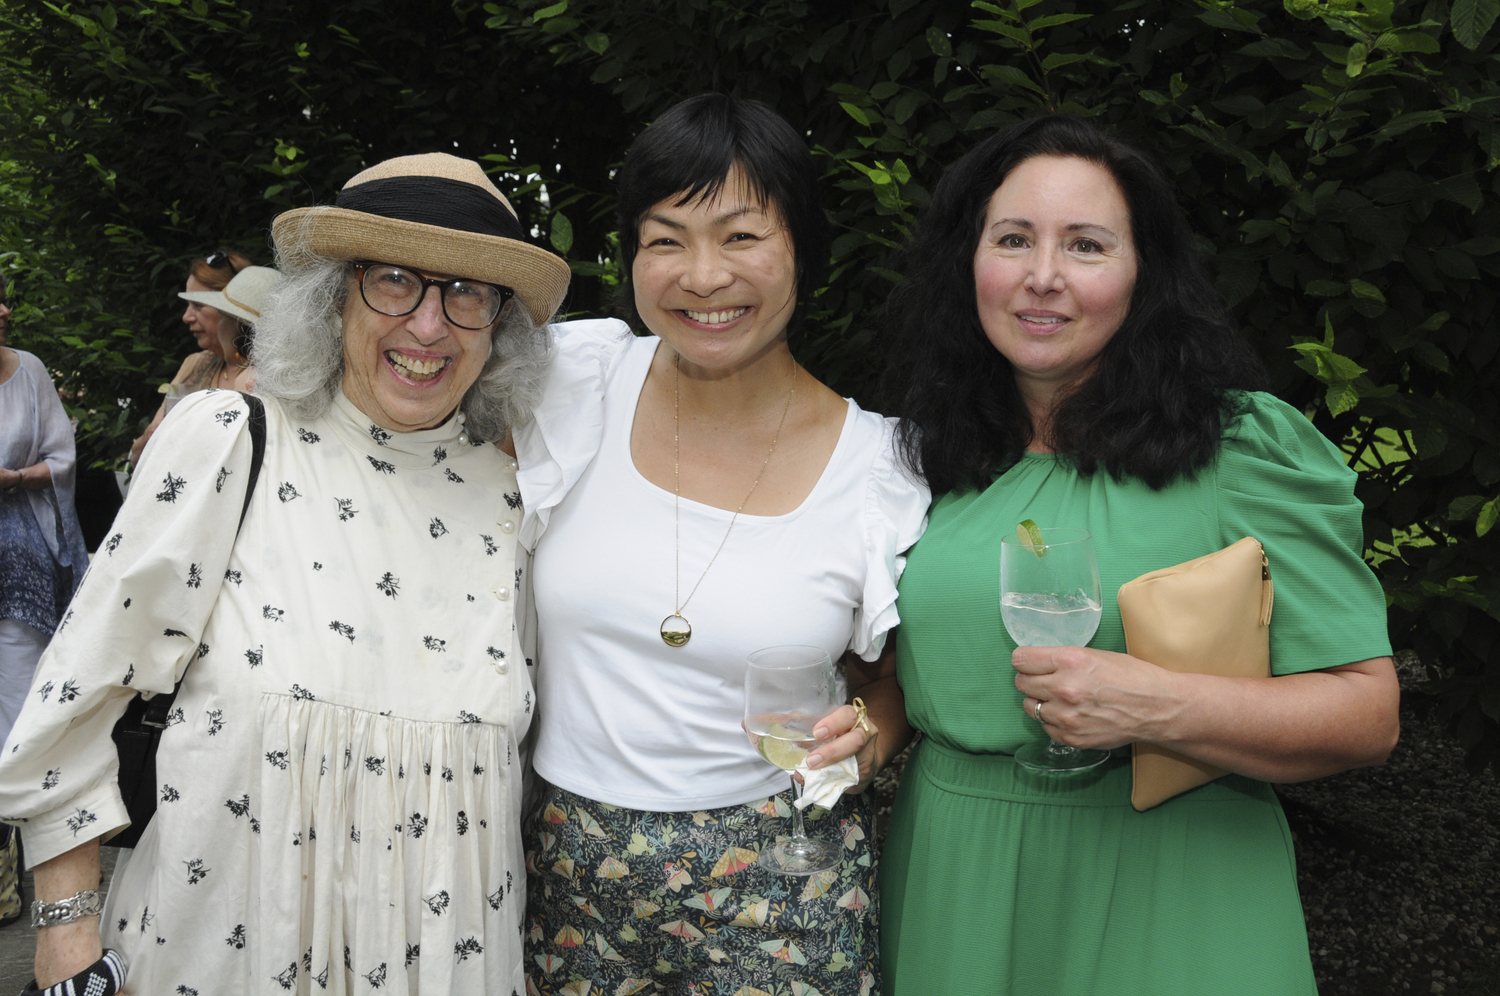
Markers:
point(1211, 615)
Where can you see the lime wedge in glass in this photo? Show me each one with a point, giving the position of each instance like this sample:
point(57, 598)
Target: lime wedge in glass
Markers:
point(1031, 537)
point(778, 746)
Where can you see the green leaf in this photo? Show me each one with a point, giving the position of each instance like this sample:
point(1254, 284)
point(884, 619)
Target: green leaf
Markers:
point(1342, 396)
point(1402, 123)
point(1484, 245)
point(1052, 20)
point(562, 233)
point(1360, 288)
point(856, 112)
point(904, 106)
point(937, 40)
point(1434, 323)
point(551, 11)
point(1277, 48)
point(1057, 60)
point(1463, 508)
point(1355, 62)
point(1013, 76)
point(1471, 20)
point(1407, 41)
point(1488, 516)
point(598, 41)
point(1326, 288)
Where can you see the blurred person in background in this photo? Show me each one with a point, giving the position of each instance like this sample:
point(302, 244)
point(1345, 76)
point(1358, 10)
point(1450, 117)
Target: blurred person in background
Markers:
point(42, 556)
point(210, 367)
point(239, 306)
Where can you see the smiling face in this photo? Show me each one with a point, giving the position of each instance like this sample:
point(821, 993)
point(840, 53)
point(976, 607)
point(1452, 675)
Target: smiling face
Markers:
point(409, 372)
point(201, 319)
point(716, 278)
point(1054, 271)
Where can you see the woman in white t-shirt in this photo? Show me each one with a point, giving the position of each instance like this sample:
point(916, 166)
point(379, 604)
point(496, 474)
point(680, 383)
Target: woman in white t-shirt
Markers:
point(699, 483)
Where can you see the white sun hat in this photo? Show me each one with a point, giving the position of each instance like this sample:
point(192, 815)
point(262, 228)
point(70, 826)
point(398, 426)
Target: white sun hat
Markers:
point(245, 296)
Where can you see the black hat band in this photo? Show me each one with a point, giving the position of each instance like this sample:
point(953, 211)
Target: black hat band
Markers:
point(434, 200)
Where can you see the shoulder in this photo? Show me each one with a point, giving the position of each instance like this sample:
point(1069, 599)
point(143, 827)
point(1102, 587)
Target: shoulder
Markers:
point(193, 366)
point(1269, 444)
point(32, 364)
point(894, 495)
point(596, 338)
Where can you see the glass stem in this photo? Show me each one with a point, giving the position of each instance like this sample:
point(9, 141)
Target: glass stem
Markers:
point(1055, 747)
point(797, 831)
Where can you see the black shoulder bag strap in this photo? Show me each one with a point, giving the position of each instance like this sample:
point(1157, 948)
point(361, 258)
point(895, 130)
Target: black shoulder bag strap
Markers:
point(139, 730)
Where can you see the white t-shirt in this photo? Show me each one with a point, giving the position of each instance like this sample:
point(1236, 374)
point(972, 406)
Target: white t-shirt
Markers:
point(623, 718)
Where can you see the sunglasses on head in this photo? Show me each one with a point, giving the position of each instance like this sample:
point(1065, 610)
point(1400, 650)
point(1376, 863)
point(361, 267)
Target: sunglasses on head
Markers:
point(221, 261)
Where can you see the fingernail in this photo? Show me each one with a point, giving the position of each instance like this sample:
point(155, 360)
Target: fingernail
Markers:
point(813, 760)
point(821, 733)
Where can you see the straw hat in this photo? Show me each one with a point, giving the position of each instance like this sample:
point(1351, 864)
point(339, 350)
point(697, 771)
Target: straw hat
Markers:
point(431, 212)
point(245, 296)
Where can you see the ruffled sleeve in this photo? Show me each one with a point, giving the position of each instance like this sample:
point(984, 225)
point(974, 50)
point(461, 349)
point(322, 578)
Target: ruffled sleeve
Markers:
point(895, 514)
point(559, 441)
point(134, 626)
point(1281, 481)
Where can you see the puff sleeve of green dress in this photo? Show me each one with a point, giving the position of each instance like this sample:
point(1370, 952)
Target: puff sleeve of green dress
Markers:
point(1028, 885)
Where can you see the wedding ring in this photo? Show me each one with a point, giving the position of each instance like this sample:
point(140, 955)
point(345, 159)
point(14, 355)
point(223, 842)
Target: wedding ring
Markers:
point(1037, 712)
point(861, 717)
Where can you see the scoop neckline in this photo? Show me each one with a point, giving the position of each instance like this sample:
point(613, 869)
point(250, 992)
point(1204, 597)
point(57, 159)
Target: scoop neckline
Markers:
point(635, 472)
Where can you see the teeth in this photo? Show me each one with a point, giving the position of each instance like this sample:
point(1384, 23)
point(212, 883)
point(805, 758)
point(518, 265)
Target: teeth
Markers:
point(1038, 319)
point(715, 317)
point(417, 369)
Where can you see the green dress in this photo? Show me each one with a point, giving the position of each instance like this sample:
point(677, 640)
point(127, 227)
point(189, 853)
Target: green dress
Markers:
point(997, 881)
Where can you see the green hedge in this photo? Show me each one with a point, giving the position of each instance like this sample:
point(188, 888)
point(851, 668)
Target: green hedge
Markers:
point(1338, 161)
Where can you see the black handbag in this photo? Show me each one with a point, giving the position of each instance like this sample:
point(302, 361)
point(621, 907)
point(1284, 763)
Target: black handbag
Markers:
point(138, 733)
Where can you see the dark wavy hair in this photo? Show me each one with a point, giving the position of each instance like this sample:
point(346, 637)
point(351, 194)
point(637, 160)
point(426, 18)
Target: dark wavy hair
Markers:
point(1162, 389)
point(689, 151)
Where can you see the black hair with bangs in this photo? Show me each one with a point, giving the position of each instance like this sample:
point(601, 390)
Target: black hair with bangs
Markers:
point(1163, 388)
point(688, 153)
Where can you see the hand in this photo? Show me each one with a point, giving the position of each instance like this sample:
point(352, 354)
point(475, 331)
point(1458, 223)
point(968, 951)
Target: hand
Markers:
point(1093, 698)
point(9, 479)
point(846, 738)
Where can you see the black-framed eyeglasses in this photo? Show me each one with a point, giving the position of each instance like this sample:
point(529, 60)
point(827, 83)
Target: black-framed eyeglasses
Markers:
point(221, 261)
point(396, 291)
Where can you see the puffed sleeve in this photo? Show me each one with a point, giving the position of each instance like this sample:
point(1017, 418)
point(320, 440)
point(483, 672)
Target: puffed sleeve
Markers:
point(895, 514)
point(133, 626)
point(557, 443)
point(1281, 481)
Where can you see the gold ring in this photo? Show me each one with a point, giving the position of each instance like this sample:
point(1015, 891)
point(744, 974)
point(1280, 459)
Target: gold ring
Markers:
point(861, 717)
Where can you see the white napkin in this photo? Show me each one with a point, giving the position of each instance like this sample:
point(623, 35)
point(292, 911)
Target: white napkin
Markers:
point(823, 786)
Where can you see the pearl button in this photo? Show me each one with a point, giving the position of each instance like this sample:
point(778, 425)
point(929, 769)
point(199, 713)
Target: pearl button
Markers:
point(463, 439)
point(512, 464)
point(502, 593)
point(507, 526)
point(500, 666)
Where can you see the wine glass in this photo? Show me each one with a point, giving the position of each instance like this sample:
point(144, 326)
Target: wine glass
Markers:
point(1049, 597)
point(787, 690)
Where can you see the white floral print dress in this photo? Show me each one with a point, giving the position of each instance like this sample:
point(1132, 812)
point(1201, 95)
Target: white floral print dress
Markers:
point(340, 783)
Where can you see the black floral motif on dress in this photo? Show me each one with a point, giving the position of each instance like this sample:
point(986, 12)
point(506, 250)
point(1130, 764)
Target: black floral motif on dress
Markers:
point(51, 778)
point(353, 834)
point(226, 419)
point(45, 690)
point(381, 436)
point(65, 620)
point(113, 543)
point(322, 978)
point(173, 632)
point(276, 759)
point(234, 577)
point(464, 716)
point(215, 721)
point(300, 693)
point(495, 652)
point(317, 566)
point(439, 454)
point(433, 643)
point(446, 774)
point(223, 475)
point(496, 898)
point(195, 576)
point(436, 528)
point(146, 918)
point(479, 770)
point(376, 976)
point(69, 691)
point(467, 946)
point(513, 499)
point(297, 839)
point(450, 475)
point(307, 436)
point(527, 697)
point(127, 603)
point(375, 765)
point(255, 656)
point(169, 794)
point(239, 807)
point(417, 824)
point(518, 577)
point(236, 938)
point(463, 823)
point(389, 584)
point(347, 510)
point(176, 716)
point(490, 549)
point(413, 952)
point(171, 487)
point(254, 825)
point(342, 629)
point(438, 903)
point(381, 465)
point(287, 492)
point(121, 924)
point(196, 871)
point(272, 613)
point(186, 990)
point(129, 675)
point(287, 979)
point(202, 651)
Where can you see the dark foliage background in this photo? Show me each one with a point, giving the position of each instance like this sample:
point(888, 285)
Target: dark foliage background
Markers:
point(1337, 159)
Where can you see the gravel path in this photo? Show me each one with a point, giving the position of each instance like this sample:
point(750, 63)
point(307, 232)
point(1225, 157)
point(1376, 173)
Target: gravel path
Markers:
point(1399, 868)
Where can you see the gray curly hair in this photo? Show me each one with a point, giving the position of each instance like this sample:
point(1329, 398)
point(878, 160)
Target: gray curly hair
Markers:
point(299, 357)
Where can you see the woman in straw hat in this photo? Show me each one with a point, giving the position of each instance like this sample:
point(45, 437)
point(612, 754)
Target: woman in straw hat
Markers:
point(339, 780)
point(239, 305)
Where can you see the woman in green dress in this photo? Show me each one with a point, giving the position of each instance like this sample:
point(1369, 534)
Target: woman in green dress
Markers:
point(1062, 357)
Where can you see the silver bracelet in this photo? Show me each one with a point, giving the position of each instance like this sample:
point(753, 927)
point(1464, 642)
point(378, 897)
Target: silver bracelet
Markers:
point(76, 907)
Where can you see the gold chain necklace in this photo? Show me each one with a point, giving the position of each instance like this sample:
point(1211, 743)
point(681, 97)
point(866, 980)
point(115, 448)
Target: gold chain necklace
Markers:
point(676, 631)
